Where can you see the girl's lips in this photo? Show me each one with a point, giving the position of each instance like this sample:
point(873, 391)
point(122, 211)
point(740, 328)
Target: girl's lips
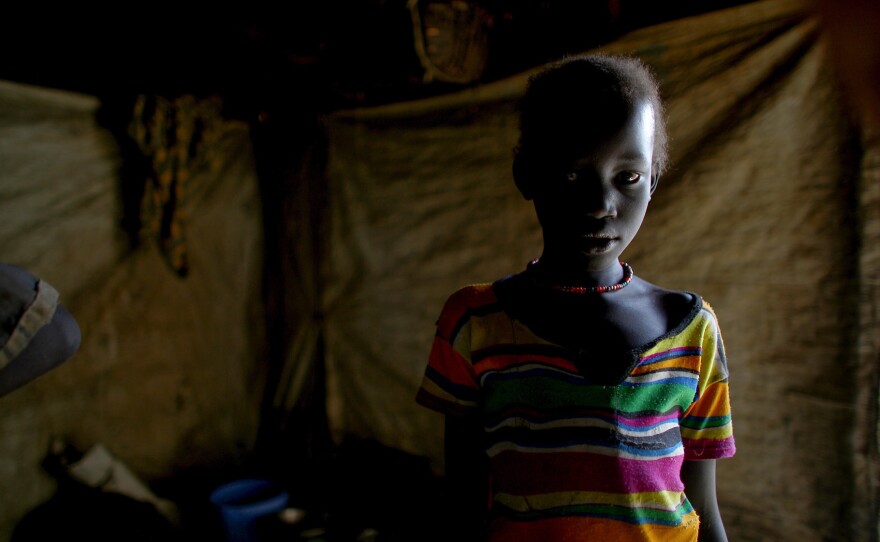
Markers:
point(597, 244)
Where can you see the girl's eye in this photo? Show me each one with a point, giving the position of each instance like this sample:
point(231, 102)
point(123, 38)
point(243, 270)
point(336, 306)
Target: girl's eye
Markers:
point(571, 176)
point(629, 177)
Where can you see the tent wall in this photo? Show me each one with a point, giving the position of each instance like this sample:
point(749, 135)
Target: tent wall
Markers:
point(867, 459)
point(760, 214)
point(166, 374)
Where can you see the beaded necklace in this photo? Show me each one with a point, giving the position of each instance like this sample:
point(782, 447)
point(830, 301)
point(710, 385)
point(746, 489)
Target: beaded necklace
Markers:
point(627, 278)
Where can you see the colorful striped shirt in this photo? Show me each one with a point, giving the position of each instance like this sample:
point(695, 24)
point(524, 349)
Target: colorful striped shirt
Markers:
point(573, 459)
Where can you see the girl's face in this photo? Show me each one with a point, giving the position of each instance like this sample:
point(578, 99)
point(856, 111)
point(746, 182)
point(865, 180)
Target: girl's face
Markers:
point(591, 208)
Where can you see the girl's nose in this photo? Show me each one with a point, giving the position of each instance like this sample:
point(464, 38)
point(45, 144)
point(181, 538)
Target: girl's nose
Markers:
point(598, 201)
point(604, 211)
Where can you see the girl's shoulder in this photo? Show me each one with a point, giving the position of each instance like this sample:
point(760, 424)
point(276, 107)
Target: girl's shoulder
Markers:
point(470, 297)
point(464, 302)
point(674, 303)
point(679, 308)
point(683, 307)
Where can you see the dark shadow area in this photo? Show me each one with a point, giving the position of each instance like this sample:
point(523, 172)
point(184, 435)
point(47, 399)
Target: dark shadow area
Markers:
point(356, 52)
point(362, 488)
point(82, 513)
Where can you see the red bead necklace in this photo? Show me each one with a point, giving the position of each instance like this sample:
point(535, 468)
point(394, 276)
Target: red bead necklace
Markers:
point(627, 278)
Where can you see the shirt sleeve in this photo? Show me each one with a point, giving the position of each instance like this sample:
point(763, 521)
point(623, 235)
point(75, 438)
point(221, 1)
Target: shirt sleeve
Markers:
point(33, 317)
point(706, 426)
point(450, 385)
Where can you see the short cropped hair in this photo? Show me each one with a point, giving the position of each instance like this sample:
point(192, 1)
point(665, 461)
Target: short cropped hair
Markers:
point(561, 101)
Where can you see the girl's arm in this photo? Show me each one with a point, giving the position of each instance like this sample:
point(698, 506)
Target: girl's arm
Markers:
point(467, 476)
point(699, 486)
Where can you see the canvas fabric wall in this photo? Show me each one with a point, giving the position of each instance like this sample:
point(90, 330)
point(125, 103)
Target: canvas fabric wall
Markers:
point(167, 376)
point(768, 211)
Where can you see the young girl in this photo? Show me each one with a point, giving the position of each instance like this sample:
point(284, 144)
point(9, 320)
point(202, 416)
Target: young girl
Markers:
point(582, 402)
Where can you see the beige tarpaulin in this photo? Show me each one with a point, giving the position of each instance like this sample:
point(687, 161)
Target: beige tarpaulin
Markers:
point(166, 377)
point(763, 213)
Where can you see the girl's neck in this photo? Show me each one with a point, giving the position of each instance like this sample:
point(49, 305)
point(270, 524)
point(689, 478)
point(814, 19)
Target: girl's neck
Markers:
point(575, 271)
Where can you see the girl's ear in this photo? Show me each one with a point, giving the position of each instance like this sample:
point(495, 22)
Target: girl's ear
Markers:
point(521, 176)
point(654, 180)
